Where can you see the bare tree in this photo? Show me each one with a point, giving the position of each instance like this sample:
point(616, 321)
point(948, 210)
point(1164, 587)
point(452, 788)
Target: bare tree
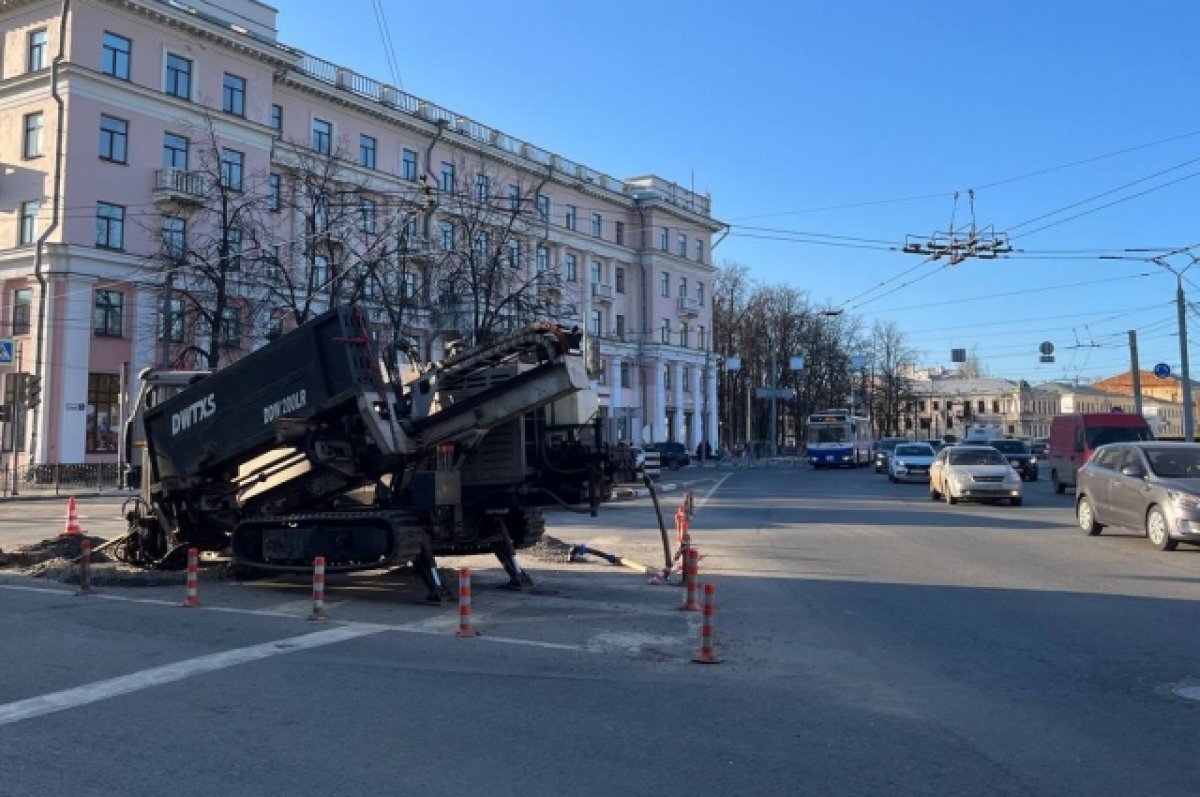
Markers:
point(891, 387)
point(206, 241)
point(973, 367)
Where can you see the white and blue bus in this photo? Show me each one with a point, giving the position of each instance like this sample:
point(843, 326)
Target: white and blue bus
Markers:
point(837, 439)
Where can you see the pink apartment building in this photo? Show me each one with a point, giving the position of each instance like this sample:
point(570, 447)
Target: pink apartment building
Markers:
point(109, 107)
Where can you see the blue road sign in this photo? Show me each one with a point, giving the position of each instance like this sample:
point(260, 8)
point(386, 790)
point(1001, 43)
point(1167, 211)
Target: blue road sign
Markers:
point(6, 352)
point(1162, 370)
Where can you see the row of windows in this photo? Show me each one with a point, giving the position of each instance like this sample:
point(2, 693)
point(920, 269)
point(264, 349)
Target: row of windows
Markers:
point(685, 377)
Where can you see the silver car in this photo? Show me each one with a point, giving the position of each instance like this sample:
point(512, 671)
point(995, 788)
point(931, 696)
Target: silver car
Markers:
point(1152, 487)
point(973, 473)
point(910, 462)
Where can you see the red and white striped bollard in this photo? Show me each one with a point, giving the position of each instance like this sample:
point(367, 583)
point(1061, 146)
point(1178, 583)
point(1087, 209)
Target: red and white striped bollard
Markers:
point(706, 655)
point(193, 579)
point(318, 610)
point(464, 603)
point(691, 571)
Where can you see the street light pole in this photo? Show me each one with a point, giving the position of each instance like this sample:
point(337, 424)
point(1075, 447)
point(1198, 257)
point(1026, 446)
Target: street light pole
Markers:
point(1184, 374)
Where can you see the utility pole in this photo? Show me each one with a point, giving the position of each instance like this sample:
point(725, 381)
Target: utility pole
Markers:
point(1137, 375)
point(774, 406)
point(1185, 377)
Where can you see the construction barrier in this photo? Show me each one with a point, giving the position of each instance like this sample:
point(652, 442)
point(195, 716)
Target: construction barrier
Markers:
point(72, 528)
point(706, 655)
point(691, 571)
point(464, 603)
point(193, 578)
point(653, 465)
point(85, 568)
point(318, 610)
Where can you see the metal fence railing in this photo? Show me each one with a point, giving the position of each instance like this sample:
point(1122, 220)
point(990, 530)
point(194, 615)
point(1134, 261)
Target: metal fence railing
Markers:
point(60, 479)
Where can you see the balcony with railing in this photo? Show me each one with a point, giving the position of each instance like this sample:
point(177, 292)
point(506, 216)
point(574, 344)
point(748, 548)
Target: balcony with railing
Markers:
point(179, 185)
point(370, 89)
point(688, 306)
point(603, 291)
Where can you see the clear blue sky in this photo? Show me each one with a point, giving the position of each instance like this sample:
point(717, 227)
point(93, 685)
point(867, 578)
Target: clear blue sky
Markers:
point(807, 120)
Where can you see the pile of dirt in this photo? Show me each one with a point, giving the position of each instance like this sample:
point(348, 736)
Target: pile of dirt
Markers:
point(67, 548)
point(548, 549)
point(57, 559)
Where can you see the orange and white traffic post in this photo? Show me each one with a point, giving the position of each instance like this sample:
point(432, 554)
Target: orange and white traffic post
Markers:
point(464, 603)
point(318, 610)
point(706, 654)
point(193, 579)
point(691, 571)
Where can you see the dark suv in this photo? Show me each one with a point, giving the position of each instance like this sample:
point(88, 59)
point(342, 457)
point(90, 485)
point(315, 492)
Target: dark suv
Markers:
point(1019, 455)
point(671, 455)
point(884, 447)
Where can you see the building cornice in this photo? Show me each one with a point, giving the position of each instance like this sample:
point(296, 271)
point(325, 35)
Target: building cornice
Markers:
point(227, 35)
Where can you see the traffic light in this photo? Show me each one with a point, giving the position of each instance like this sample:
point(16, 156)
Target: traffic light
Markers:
point(33, 391)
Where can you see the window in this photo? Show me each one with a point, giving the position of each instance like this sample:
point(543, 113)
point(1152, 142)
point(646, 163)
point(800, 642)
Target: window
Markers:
point(233, 95)
point(483, 246)
point(699, 250)
point(514, 197)
point(620, 330)
point(233, 248)
point(31, 144)
point(684, 335)
point(110, 226)
point(408, 164)
point(668, 382)
point(114, 139)
point(572, 268)
point(174, 237)
point(514, 253)
point(448, 236)
point(597, 325)
point(543, 207)
point(664, 239)
point(273, 193)
point(175, 152)
point(277, 119)
point(700, 338)
point(232, 167)
point(322, 136)
point(995, 406)
point(366, 151)
point(172, 326)
point(682, 287)
point(320, 272)
point(483, 188)
point(103, 400)
point(700, 293)
point(620, 279)
point(597, 272)
point(366, 221)
point(602, 373)
point(620, 236)
point(21, 313)
point(626, 375)
point(447, 177)
point(935, 405)
point(179, 77)
point(571, 214)
point(980, 406)
point(666, 330)
point(29, 212)
point(681, 246)
point(108, 318)
point(408, 284)
point(114, 58)
point(273, 263)
point(231, 328)
point(38, 42)
point(687, 379)
point(664, 285)
point(597, 225)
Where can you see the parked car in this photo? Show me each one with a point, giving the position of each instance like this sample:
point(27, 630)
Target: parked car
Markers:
point(1074, 436)
point(1040, 447)
point(910, 462)
point(1019, 456)
point(1151, 487)
point(973, 473)
point(671, 455)
point(883, 448)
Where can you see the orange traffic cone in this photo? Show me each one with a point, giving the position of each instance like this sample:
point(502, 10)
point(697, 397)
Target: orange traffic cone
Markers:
point(73, 528)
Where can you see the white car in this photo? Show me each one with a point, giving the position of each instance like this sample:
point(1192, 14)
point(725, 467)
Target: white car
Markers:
point(910, 462)
point(973, 473)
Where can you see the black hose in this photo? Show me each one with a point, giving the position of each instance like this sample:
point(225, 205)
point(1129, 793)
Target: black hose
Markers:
point(662, 526)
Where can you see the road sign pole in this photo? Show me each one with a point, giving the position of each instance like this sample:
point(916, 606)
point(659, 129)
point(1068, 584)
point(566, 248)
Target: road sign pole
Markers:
point(1133, 369)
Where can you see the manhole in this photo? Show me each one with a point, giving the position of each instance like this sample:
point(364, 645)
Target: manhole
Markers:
point(1188, 692)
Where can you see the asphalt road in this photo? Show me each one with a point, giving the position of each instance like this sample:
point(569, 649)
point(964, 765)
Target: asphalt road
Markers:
point(873, 642)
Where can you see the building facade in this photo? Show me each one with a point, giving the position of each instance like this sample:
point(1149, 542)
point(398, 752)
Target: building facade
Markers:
point(125, 119)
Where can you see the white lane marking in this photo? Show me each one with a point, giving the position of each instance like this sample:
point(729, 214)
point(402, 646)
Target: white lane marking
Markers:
point(153, 601)
point(708, 495)
point(178, 671)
